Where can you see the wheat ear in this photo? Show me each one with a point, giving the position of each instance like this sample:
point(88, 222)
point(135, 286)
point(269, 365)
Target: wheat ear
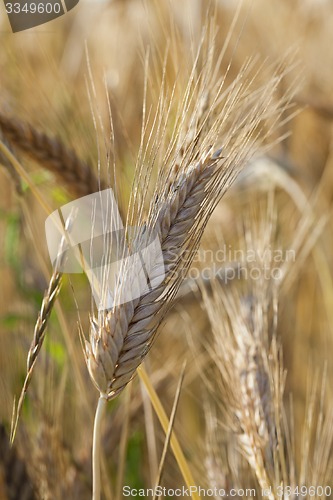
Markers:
point(249, 358)
point(38, 339)
point(48, 301)
point(122, 336)
point(52, 154)
point(246, 391)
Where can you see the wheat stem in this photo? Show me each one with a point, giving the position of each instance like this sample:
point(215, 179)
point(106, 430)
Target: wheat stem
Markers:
point(96, 467)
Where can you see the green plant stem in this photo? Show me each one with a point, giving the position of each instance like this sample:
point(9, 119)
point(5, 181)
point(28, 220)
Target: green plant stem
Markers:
point(96, 451)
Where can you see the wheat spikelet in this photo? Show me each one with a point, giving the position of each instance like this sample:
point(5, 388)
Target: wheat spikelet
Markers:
point(52, 154)
point(43, 316)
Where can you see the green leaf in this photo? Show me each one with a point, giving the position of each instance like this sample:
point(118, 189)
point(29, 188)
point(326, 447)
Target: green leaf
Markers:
point(56, 351)
point(134, 460)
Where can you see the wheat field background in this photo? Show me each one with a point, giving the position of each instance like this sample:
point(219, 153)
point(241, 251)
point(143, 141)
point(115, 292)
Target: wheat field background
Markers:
point(255, 407)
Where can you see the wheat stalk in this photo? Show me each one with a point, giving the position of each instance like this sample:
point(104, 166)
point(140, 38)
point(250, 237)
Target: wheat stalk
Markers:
point(52, 154)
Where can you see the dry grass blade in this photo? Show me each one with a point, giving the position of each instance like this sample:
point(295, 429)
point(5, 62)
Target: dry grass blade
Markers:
point(51, 154)
point(151, 439)
point(164, 421)
point(171, 424)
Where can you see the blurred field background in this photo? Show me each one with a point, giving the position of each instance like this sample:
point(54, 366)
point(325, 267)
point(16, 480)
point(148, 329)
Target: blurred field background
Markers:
point(45, 79)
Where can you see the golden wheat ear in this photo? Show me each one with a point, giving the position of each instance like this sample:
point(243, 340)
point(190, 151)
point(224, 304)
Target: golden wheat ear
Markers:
point(247, 353)
point(121, 336)
point(76, 175)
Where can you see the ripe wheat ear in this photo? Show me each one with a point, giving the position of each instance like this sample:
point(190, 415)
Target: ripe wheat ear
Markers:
point(77, 175)
point(120, 337)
